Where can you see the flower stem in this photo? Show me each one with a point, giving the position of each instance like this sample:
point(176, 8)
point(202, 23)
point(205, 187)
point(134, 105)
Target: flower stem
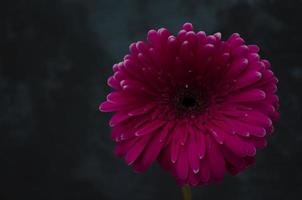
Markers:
point(186, 192)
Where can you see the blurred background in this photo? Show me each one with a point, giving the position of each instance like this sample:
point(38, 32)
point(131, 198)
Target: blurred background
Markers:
point(55, 57)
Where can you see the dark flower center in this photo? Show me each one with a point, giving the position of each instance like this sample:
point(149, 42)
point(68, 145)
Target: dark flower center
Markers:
point(188, 102)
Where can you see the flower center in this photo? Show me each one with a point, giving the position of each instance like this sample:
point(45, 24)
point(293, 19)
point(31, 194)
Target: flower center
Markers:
point(188, 102)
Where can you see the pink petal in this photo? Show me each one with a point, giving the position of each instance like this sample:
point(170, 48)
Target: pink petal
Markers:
point(205, 170)
point(216, 133)
point(136, 149)
point(164, 158)
point(259, 142)
point(245, 129)
point(237, 67)
point(236, 162)
point(216, 160)
point(109, 107)
point(179, 132)
point(149, 128)
point(187, 26)
point(202, 146)
point(253, 48)
point(116, 97)
point(235, 40)
point(193, 152)
point(123, 147)
point(253, 57)
point(247, 96)
point(175, 146)
point(182, 166)
point(151, 151)
point(142, 109)
point(154, 39)
point(112, 82)
point(193, 178)
point(256, 118)
point(118, 118)
point(163, 34)
point(165, 132)
point(238, 146)
point(240, 51)
point(247, 79)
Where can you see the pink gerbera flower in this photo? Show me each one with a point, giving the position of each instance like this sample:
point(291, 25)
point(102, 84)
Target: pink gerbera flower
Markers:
point(199, 105)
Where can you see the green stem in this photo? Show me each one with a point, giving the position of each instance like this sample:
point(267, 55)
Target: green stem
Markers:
point(186, 192)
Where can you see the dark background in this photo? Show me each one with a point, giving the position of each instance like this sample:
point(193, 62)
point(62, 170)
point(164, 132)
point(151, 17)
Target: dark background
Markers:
point(55, 57)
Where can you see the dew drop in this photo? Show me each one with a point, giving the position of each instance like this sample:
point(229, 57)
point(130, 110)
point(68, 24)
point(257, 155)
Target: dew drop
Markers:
point(122, 137)
point(195, 171)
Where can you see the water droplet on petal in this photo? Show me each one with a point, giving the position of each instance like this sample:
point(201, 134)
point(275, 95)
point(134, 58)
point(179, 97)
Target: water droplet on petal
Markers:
point(195, 171)
point(122, 137)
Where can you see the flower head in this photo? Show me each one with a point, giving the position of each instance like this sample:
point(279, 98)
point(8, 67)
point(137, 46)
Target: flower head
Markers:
point(199, 105)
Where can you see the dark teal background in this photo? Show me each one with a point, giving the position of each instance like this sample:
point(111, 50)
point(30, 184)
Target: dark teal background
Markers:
point(55, 57)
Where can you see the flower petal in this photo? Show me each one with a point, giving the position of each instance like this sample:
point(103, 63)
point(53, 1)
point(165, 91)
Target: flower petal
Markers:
point(247, 96)
point(136, 149)
point(182, 165)
point(149, 128)
point(193, 152)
